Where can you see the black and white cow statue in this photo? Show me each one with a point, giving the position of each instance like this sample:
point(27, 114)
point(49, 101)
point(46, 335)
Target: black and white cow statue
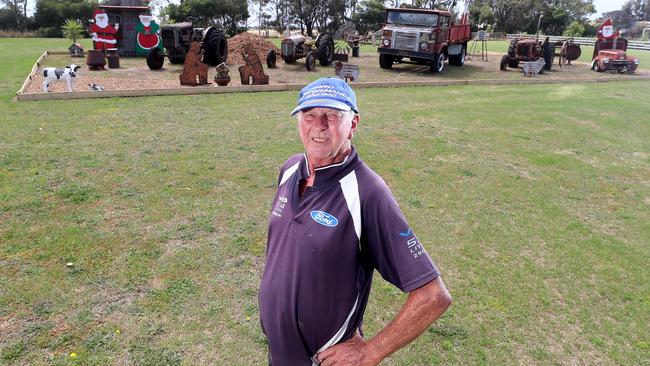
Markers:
point(51, 74)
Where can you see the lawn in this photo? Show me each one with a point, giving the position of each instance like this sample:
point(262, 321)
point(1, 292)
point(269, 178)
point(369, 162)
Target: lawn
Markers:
point(133, 230)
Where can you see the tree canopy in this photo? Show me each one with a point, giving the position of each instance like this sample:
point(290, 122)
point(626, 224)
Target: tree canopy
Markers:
point(509, 16)
point(51, 14)
point(231, 15)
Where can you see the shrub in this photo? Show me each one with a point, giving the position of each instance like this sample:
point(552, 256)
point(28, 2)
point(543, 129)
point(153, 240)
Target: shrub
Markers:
point(72, 29)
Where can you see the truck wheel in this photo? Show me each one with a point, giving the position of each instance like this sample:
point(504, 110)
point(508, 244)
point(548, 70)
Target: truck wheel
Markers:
point(504, 63)
point(310, 61)
point(458, 60)
point(325, 49)
point(215, 46)
point(438, 63)
point(385, 61)
point(549, 54)
point(155, 59)
point(271, 59)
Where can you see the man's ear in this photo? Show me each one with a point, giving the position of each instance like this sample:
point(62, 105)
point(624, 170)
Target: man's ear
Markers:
point(353, 128)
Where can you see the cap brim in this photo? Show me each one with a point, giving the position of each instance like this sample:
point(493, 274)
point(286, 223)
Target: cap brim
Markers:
point(321, 103)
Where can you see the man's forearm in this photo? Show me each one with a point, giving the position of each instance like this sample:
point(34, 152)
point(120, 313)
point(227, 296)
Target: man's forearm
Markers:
point(422, 307)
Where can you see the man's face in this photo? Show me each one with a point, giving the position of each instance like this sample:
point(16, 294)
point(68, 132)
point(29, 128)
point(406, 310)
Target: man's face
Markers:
point(326, 133)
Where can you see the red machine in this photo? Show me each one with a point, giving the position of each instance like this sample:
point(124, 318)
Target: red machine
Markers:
point(424, 37)
point(610, 52)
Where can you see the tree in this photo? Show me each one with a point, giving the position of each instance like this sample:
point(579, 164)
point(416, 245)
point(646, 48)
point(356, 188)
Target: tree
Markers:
point(51, 14)
point(369, 16)
point(513, 16)
point(231, 15)
point(555, 20)
point(575, 29)
point(482, 14)
point(624, 18)
point(307, 11)
point(14, 16)
point(282, 14)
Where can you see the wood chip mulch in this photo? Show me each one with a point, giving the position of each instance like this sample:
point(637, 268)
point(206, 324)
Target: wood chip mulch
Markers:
point(236, 46)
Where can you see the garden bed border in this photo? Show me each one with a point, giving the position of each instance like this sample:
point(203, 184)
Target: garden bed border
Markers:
point(213, 89)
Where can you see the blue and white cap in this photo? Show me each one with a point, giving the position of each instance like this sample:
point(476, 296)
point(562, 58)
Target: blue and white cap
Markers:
point(327, 93)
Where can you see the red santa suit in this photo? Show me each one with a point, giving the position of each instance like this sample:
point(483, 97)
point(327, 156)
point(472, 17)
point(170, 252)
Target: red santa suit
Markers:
point(102, 32)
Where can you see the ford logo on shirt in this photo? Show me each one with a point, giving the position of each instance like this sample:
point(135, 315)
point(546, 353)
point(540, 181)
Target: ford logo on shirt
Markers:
point(324, 218)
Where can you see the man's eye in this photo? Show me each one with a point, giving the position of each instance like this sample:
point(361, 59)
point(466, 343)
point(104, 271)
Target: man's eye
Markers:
point(332, 116)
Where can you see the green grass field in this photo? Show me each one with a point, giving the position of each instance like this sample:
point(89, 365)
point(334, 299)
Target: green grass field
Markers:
point(133, 230)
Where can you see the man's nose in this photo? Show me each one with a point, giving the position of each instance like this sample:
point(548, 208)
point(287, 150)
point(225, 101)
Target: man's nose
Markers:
point(322, 121)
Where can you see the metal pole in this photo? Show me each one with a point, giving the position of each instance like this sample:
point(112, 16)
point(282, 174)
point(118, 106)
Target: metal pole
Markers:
point(539, 22)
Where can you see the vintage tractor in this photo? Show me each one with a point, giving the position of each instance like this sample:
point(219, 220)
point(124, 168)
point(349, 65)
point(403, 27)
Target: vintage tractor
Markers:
point(296, 47)
point(528, 49)
point(610, 55)
point(176, 38)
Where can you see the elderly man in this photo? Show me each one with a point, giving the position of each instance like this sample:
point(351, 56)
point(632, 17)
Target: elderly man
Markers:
point(332, 223)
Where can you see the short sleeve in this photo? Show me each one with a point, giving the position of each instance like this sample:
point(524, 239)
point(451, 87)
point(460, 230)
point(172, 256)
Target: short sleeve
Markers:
point(390, 244)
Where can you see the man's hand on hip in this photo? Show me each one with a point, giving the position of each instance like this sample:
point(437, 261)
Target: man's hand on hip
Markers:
point(350, 352)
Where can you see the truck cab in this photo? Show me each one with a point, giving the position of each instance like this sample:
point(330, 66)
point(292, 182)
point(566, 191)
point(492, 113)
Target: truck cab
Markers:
point(424, 37)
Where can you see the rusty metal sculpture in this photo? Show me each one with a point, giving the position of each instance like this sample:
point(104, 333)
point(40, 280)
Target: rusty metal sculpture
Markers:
point(252, 73)
point(222, 78)
point(193, 67)
point(569, 51)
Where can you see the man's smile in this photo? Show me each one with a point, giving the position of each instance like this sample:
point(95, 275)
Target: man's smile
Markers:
point(320, 140)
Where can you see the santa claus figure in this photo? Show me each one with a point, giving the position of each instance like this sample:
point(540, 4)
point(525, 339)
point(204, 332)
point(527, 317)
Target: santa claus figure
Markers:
point(102, 32)
point(147, 35)
point(606, 31)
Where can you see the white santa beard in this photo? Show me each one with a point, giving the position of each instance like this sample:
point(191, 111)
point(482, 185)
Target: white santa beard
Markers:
point(102, 24)
point(145, 22)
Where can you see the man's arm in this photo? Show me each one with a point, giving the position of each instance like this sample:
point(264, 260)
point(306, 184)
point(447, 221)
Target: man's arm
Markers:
point(422, 307)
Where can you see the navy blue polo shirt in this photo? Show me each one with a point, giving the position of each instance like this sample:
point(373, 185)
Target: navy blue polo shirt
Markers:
point(321, 252)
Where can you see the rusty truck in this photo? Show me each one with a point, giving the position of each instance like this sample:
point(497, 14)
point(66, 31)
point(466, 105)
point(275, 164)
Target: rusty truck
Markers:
point(423, 36)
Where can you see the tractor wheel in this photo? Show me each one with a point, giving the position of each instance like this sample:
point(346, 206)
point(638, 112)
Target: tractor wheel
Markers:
point(549, 54)
point(310, 61)
point(438, 63)
point(325, 49)
point(459, 59)
point(271, 59)
point(504, 63)
point(512, 48)
point(386, 61)
point(513, 63)
point(155, 59)
point(215, 46)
